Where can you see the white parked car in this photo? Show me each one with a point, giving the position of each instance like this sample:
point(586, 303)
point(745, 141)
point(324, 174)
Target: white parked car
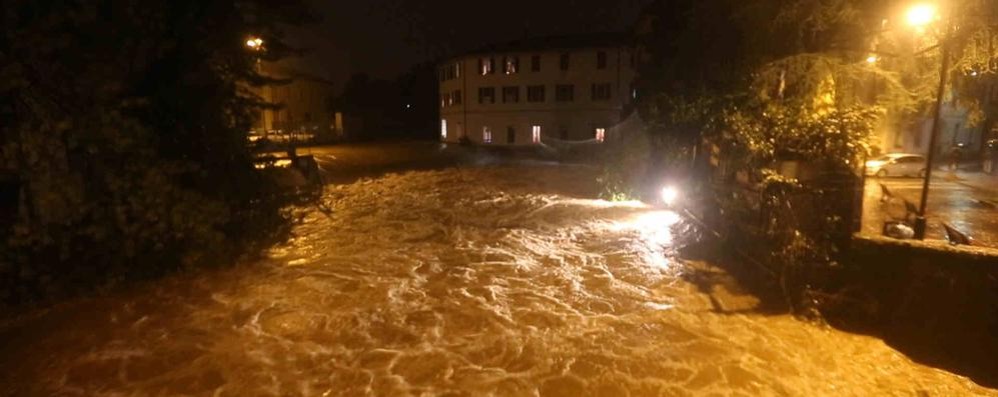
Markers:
point(897, 164)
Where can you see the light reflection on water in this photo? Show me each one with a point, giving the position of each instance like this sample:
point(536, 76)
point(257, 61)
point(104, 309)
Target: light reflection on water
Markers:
point(457, 282)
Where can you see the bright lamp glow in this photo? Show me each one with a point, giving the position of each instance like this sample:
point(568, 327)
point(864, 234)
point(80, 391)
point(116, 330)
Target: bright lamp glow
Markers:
point(254, 43)
point(871, 59)
point(921, 15)
point(669, 195)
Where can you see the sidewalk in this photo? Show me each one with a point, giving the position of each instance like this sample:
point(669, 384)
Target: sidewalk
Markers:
point(987, 184)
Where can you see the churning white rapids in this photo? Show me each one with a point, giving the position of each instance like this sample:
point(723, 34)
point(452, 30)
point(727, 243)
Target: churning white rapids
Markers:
point(501, 281)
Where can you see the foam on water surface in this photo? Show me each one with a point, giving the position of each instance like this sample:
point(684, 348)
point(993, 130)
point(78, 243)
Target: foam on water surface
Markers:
point(502, 281)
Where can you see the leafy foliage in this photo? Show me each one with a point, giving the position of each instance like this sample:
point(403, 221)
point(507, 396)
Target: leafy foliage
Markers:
point(125, 123)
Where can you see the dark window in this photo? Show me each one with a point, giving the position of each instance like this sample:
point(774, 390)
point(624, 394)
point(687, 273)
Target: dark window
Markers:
point(511, 94)
point(450, 72)
point(510, 135)
point(535, 93)
point(564, 93)
point(535, 63)
point(511, 65)
point(565, 60)
point(601, 60)
point(444, 99)
point(486, 95)
point(457, 97)
point(601, 92)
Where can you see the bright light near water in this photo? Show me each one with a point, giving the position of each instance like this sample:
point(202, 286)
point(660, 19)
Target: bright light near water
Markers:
point(655, 221)
point(669, 195)
point(655, 231)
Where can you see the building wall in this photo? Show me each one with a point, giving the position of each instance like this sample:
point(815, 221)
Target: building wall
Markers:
point(303, 101)
point(571, 120)
point(912, 136)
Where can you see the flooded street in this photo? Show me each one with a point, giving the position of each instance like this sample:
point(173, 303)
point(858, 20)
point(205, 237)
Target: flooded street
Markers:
point(473, 281)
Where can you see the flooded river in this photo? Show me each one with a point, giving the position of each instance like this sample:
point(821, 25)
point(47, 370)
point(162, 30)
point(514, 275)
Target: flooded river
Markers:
point(501, 281)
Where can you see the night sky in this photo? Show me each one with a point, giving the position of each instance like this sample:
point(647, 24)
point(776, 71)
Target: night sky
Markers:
point(386, 37)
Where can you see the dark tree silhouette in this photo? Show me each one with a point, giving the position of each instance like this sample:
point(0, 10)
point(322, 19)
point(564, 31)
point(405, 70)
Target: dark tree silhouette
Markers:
point(123, 125)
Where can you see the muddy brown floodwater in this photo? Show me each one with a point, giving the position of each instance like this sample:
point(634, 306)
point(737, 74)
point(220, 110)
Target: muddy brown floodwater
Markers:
point(502, 281)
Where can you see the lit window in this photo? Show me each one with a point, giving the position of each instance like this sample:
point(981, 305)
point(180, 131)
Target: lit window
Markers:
point(536, 134)
point(600, 134)
point(443, 129)
point(511, 65)
point(486, 135)
point(487, 66)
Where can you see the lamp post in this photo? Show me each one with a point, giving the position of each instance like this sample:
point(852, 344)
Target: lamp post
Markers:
point(921, 16)
point(255, 44)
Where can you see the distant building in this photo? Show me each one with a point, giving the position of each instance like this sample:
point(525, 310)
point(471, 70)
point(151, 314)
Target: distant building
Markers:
point(304, 111)
point(905, 135)
point(524, 92)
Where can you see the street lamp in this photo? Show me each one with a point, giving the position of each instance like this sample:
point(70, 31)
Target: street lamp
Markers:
point(255, 43)
point(920, 16)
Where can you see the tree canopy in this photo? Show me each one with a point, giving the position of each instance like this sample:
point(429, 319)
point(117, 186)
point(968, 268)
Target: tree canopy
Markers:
point(124, 125)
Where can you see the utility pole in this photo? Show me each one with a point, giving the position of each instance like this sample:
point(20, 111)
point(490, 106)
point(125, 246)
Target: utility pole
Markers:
point(920, 221)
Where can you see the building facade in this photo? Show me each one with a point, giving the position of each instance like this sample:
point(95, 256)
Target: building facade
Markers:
point(528, 92)
point(303, 103)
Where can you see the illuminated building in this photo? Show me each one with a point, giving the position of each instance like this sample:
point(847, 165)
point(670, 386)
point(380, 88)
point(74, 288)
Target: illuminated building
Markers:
point(526, 92)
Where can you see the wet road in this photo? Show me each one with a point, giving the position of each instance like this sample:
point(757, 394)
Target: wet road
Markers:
point(949, 202)
point(472, 281)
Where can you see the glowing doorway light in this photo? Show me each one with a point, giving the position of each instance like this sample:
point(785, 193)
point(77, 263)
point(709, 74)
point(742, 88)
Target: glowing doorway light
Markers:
point(600, 134)
point(486, 135)
point(536, 134)
point(443, 129)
